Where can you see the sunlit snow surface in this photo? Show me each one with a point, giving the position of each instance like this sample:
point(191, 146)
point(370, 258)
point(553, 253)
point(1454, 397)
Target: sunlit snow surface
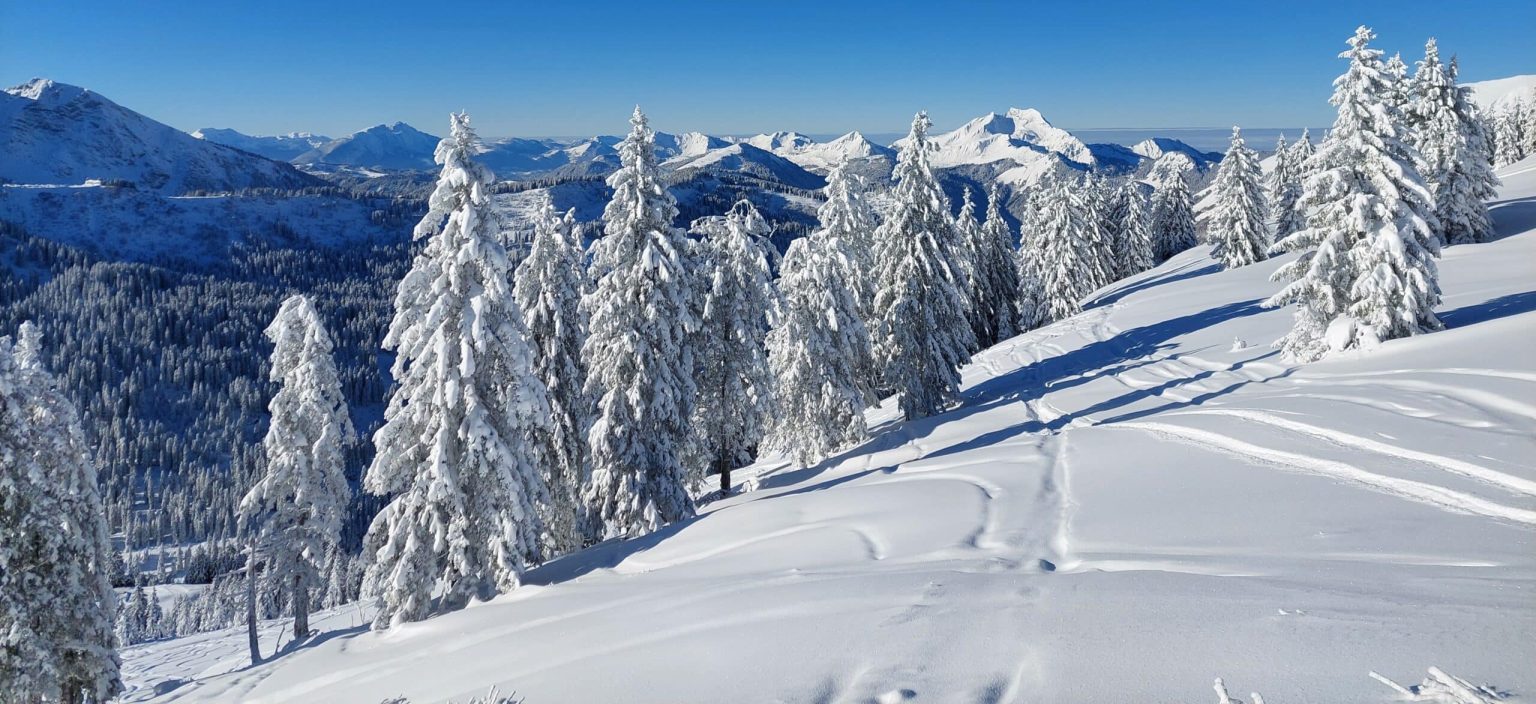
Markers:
point(1123, 509)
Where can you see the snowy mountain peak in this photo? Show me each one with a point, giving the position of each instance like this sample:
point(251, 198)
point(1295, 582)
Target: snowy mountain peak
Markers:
point(384, 146)
point(1020, 135)
point(56, 133)
point(47, 91)
point(780, 141)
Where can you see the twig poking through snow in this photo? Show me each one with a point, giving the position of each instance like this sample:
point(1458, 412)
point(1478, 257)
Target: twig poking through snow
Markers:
point(1442, 688)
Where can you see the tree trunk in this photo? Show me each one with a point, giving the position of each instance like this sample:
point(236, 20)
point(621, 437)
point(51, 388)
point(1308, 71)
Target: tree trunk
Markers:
point(300, 609)
point(250, 606)
point(724, 466)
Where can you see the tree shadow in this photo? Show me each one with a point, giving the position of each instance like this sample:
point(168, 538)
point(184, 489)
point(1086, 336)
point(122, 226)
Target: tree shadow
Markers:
point(1503, 306)
point(1512, 216)
point(1180, 274)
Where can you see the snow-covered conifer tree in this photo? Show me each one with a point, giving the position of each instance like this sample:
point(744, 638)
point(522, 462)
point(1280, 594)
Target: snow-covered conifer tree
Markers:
point(1448, 133)
point(57, 640)
point(549, 284)
point(639, 363)
point(816, 352)
point(1101, 200)
point(735, 389)
point(1514, 128)
point(1069, 266)
point(1235, 215)
point(1367, 273)
point(1397, 89)
point(1283, 190)
point(1173, 214)
point(299, 502)
point(847, 217)
point(460, 448)
point(966, 251)
point(848, 226)
point(1134, 245)
point(999, 299)
point(1034, 310)
point(921, 334)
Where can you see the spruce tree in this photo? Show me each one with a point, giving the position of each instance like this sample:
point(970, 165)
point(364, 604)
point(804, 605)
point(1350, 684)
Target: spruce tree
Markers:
point(735, 389)
point(1134, 245)
point(57, 640)
point(846, 216)
point(967, 250)
point(921, 334)
point(1283, 190)
point(1235, 218)
point(847, 225)
point(1101, 200)
point(300, 500)
point(816, 352)
point(639, 363)
point(1068, 229)
point(1034, 310)
point(549, 285)
point(460, 448)
point(1173, 210)
point(1448, 133)
point(1367, 271)
point(999, 299)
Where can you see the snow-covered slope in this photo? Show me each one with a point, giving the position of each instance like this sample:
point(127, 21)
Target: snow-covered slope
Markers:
point(1020, 134)
point(54, 133)
point(1156, 147)
point(397, 146)
point(1495, 93)
point(743, 157)
point(278, 148)
point(1127, 504)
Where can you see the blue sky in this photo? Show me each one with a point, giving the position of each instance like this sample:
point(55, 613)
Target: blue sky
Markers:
point(550, 67)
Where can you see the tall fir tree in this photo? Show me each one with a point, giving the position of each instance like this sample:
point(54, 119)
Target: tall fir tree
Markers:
point(848, 225)
point(1134, 245)
point(1102, 201)
point(740, 302)
point(1173, 209)
point(815, 354)
point(1396, 89)
point(1367, 271)
point(460, 449)
point(846, 216)
point(550, 282)
point(57, 637)
point(1448, 133)
point(640, 365)
point(1034, 309)
point(967, 252)
point(1235, 217)
point(921, 334)
point(999, 298)
point(1283, 190)
point(300, 500)
point(1068, 229)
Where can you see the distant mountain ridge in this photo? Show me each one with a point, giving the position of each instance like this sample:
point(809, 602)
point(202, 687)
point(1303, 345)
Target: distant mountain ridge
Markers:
point(55, 133)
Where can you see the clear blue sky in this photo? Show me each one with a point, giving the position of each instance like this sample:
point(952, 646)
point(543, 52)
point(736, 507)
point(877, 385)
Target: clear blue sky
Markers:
point(562, 67)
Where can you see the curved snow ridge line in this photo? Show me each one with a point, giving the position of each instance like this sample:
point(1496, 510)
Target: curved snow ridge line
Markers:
point(1461, 371)
point(1466, 469)
point(635, 565)
point(1440, 496)
point(1472, 397)
point(1405, 411)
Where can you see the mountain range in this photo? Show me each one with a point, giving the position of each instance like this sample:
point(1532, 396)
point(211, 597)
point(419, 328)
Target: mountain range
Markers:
point(58, 134)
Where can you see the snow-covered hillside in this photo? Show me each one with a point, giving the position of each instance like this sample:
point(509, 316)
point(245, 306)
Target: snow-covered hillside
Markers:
point(1495, 93)
point(282, 147)
point(54, 133)
point(393, 146)
point(1022, 136)
point(744, 157)
point(1126, 505)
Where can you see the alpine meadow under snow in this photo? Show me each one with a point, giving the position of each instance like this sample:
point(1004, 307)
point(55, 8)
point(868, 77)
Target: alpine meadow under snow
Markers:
point(987, 415)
